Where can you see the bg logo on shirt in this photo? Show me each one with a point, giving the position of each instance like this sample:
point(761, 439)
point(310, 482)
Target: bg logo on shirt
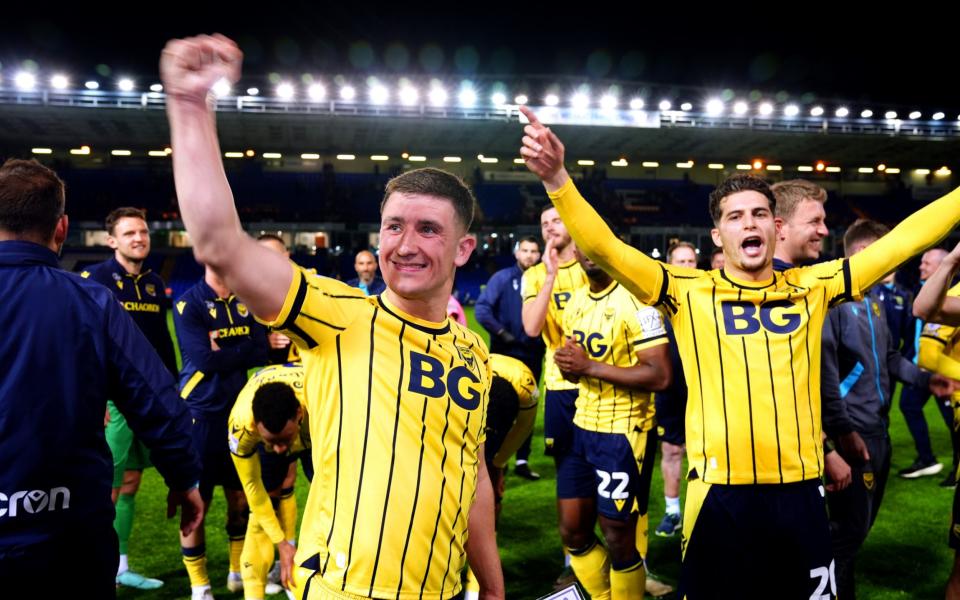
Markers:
point(429, 377)
point(742, 318)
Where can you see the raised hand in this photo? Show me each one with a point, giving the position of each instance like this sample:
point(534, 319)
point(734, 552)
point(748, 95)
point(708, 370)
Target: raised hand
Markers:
point(543, 152)
point(189, 67)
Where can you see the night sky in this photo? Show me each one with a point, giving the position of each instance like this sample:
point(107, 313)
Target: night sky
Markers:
point(899, 59)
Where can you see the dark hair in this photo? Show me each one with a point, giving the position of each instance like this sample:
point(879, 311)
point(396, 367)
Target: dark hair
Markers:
point(715, 252)
point(120, 213)
point(741, 182)
point(271, 236)
point(503, 397)
point(862, 230)
point(274, 404)
point(435, 182)
point(791, 193)
point(529, 239)
point(32, 198)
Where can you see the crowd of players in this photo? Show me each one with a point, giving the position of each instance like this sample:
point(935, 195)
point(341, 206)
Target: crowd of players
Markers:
point(774, 377)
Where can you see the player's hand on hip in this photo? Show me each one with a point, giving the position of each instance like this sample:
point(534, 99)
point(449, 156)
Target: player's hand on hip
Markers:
point(853, 448)
point(838, 472)
point(189, 67)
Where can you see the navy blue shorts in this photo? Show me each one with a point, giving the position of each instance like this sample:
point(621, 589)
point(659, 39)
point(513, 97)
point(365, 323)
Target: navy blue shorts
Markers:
point(274, 467)
point(559, 408)
point(210, 440)
point(776, 533)
point(614, 468)
point(670, 416)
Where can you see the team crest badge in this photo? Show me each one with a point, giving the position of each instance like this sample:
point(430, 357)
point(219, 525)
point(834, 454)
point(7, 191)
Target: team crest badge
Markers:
point(899, 300)
point(242, 309)
point(181, 305)
point(212, 309)
point(150, 289)
point(466, 355)
point(868, 481)
point(608, 314)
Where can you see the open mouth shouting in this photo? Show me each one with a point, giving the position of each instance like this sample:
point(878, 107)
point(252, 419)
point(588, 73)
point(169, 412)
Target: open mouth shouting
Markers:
point(752, 246)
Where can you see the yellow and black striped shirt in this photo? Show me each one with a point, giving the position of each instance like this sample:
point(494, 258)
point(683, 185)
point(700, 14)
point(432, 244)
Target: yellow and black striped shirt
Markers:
point(751, 350)
point(397, 408)
point(570, 277)
point(612, 326)
point(243, 439)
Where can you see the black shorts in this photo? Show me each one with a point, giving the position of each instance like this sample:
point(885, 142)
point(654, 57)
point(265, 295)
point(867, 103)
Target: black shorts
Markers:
point(559, 408)
point(756, 541)
point(671, 413)
point(210, 439)
point(954, 540)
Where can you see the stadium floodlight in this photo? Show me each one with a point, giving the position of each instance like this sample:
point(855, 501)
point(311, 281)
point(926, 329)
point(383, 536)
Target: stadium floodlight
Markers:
point(221, 88)
point(409, 95)
point(774, 167)
point(881, 167)
point(348, 93)
point(452, 159)
point(551, 100)
point(125, 84)
point(715, 166)
point(765, 109)
point(915, 115)
point(91, 85)
point(791, 110)
point(893, 170)
point(686, 106)
point(416, 158)
point(842, 112)
point(437, 96)
point(25, 81)
point(586, 162)
point(316, 91)
point(233, 154)
point(866, 113)
point(120, 153)
point(346, 157)
point(821, 165)
point(943, 171)
point(379, 157)
point(498, 99)
point(253, 91)
point(664, 105)
point(488, 159)
point(805, 168)
point(636, 103)
point(816, 111)
point(41, 150)
point(521, 99)
point(890, 115)
point(714, 107)
point(467, 97)
point(622, 162)
point(379, 94)
point(650, 164)
point(685, 165)
point(156, 87)
point(743, 167)
point(518, 161)
point(59, 82)
point(310, 156)
point(758, 164)
point(740, 108)
point(833, 169)
point(81, 151)
point(865, 170)
point(937, 116)
point(272, 155)
point(285, 91)
point(580, 101)
point(608, 102)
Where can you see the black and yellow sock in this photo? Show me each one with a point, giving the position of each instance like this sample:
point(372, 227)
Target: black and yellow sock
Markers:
point(195, 560)
point(628, 581)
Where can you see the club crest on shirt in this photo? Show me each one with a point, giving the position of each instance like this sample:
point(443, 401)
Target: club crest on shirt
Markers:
point(150, 289)
point(181, 305)
point(466, 355)
point(868, 480)
point(609, 312)
point(242, 309)
point(212, 309)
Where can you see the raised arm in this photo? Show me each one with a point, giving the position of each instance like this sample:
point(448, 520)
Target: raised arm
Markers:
point(921, 230)
point(534, 311)
point(543, 154)
point(188, 69)
point(932, 302)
